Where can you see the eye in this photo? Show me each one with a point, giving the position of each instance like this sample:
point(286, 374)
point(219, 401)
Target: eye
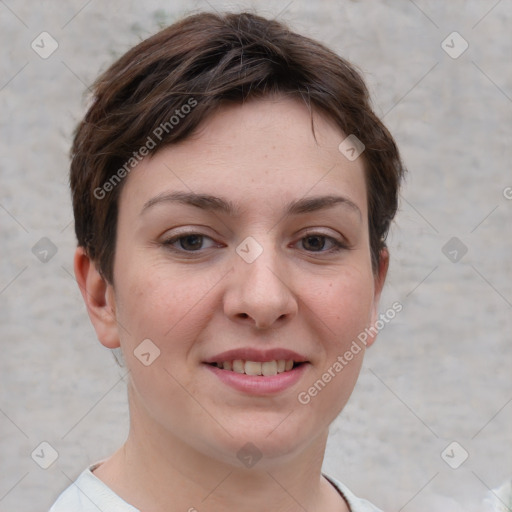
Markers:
point(189, 242)
point(316, 242)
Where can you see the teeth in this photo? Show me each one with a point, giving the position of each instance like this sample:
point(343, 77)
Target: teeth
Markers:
point(238, 366)
point(252, 368)
point(266, 369)
point(269, 368)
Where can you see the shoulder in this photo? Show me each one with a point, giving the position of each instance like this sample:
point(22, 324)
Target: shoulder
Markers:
point(499, 499)
point(356, 504)
point(89, 494)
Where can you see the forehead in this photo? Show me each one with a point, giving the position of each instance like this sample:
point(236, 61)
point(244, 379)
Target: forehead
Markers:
point(260, 154)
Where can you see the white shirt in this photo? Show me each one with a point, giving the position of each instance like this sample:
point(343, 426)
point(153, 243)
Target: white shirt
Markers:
point(89, 494)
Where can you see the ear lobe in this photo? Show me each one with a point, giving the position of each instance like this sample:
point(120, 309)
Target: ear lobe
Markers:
point(380, 279)
point(98, 296)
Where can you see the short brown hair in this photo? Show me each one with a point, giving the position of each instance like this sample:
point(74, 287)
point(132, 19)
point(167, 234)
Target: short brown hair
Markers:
point(204, 61)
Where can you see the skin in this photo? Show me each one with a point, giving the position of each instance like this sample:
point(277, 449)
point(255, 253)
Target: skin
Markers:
point(186, 425)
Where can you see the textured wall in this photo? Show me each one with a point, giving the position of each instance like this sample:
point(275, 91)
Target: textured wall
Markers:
point(440, 371)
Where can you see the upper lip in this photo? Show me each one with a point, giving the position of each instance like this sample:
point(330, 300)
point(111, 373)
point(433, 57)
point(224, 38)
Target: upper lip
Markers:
point(260, 356)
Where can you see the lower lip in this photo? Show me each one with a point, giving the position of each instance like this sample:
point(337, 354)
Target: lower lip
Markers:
point(258, 384)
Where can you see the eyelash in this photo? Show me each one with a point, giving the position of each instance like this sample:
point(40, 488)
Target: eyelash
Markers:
point(337, 245)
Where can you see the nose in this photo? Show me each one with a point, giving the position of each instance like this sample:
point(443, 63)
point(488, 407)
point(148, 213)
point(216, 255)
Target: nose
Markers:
point(259, 293)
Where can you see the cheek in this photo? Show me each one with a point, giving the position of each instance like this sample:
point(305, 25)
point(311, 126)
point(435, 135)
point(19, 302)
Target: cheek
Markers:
point(171, 310)
point(343, 304)
point(154, 301)
point(340, 315)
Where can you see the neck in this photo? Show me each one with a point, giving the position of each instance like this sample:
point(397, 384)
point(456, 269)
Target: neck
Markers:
point(157, 471)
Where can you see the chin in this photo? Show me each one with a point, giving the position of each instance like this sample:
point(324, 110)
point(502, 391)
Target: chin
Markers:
point(271, 440)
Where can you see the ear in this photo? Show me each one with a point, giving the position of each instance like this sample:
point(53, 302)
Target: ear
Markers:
point(380, 279)
point(98, 296)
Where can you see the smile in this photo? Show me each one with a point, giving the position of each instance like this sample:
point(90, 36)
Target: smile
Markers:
point(265, 369)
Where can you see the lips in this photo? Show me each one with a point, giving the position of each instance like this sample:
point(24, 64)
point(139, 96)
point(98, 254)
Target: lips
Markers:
point(259, 385)
point(258, 372)
point(251, 361)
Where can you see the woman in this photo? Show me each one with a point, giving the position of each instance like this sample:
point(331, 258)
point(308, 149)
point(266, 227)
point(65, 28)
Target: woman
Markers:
point(232, 192)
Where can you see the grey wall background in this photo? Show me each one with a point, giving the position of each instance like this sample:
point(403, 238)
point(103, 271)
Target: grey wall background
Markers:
point(439, 373)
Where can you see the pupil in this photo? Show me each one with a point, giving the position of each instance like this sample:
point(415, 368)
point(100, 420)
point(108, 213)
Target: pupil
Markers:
point(191, 242)
point(314, 243)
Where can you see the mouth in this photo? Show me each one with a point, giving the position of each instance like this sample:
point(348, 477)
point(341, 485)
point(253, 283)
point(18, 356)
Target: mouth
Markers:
point(264, 369)
point(254, 371)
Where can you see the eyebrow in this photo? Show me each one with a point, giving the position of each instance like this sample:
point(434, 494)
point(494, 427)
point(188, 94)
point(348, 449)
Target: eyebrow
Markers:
point(215, 203)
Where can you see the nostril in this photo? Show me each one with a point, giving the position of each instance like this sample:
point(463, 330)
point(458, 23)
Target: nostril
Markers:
point(244, 315)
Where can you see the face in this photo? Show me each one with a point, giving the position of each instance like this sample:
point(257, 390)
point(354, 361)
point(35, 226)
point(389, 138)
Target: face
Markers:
point(247, 242)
